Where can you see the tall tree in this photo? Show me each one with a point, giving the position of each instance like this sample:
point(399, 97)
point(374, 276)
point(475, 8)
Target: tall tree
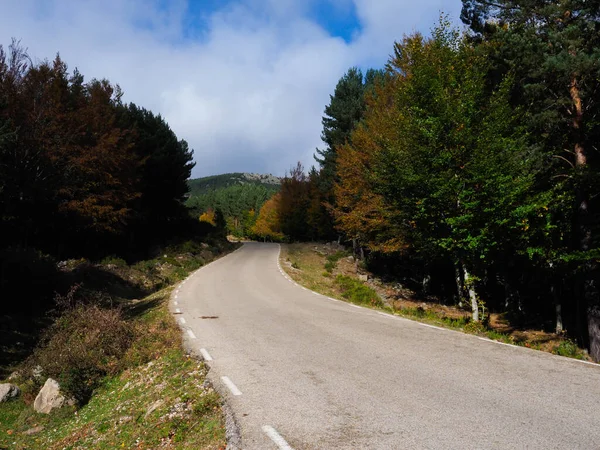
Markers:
point(553, 47)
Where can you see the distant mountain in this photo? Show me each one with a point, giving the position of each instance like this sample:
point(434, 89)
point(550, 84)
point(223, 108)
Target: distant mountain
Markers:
point(199, 186)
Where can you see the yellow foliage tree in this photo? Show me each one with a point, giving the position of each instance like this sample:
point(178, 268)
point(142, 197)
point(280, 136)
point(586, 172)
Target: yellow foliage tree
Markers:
point(209, 217)
point(268, 226)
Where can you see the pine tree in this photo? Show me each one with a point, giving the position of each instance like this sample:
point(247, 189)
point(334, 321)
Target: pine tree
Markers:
point(553, 48)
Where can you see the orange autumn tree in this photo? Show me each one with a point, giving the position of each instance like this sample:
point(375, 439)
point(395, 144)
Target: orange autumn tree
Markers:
point(359, 211)
point(268, 226)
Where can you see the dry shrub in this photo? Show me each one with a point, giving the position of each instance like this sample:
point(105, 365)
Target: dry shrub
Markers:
point(83, 345)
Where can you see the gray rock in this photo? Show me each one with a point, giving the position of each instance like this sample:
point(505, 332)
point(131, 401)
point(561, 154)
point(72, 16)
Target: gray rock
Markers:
point(8, 391)
point(362, 277)
point(34, 430)
point(50, 398)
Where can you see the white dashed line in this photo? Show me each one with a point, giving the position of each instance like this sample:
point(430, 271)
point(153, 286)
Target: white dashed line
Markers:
point(176, 296)
point(175, 303)
point(191, 334)
point(182, 320)
point(205, 354)
point(232, 387)
point(177, 311)
point(177, 291)
point(276, 437)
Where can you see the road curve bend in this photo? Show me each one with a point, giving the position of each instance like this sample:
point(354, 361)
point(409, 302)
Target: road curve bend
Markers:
point(302, 371)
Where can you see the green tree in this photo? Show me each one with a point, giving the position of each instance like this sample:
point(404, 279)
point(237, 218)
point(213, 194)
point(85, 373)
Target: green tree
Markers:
point(553, 48)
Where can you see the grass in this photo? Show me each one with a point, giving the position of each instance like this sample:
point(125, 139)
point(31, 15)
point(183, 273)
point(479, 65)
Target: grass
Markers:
point(356, 292)
point(332, 260)
point(339, 280)
point(163, 402)
point(149, 393)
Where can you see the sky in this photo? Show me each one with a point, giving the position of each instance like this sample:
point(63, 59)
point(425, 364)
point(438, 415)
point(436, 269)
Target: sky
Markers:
point(245, 82)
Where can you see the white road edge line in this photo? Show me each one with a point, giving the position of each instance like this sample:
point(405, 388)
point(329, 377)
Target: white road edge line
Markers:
point(182, 320)
point(205, 354)
point(276, 437)
point(232, 387)
point(431, 326)
point(191, 334)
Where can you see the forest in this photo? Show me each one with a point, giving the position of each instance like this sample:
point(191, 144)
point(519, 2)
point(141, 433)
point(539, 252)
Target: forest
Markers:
point(237, 197)
point(469, 166)
point(82, 175)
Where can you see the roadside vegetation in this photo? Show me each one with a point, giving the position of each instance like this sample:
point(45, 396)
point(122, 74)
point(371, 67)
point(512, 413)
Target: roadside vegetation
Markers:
point(345, 279)
point(93, 232)
point(467, 170)
point(118, 353)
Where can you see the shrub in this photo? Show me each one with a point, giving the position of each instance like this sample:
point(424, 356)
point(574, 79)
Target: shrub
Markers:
point(357, 292)
point(333, 259)
point(83, 345)
point(114, 260)
point(475, 328)
point(568, 348)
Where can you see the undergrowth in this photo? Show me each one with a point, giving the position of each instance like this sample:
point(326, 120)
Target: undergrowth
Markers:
point(98, 345)
point(356, 292)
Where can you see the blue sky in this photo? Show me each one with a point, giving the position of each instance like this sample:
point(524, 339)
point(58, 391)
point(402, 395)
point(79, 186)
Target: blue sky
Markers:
point(245, 82)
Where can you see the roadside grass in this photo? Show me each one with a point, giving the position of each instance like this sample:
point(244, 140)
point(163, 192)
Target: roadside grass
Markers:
point(355, 291)
point(121, 357)
point(161, 401)
point(304, 263)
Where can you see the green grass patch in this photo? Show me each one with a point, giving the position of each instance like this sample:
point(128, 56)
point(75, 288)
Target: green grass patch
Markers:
point(356, 292)
point(124, 363)
point(161, 400)
point(332, 260)
point(569, 349)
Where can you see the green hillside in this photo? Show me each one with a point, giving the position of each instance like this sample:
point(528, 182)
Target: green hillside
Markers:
point(199, 186)
point(239, 196)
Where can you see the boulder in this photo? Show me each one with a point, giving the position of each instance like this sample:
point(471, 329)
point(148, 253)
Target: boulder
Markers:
point(8, 391)
point(50, 398)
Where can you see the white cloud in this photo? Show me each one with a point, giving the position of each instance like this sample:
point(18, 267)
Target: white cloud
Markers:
point(248, 94)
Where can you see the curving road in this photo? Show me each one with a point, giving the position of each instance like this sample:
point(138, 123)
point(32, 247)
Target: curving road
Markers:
point(302, 371)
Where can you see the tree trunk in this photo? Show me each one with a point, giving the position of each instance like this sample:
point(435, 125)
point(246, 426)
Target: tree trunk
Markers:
point(458, 277)
point(472, 294)
point(589, 295)
point(558, 309)
point(426, 281)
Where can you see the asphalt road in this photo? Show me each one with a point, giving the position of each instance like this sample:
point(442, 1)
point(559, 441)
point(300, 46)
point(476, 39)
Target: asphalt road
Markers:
point(312, 373)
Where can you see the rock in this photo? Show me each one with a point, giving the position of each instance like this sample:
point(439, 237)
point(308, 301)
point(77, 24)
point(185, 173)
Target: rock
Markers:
point(50, 398)
point(350, 259)
point(34, 430)
point(36, 372)
point(8, 391)
point(362, 277)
